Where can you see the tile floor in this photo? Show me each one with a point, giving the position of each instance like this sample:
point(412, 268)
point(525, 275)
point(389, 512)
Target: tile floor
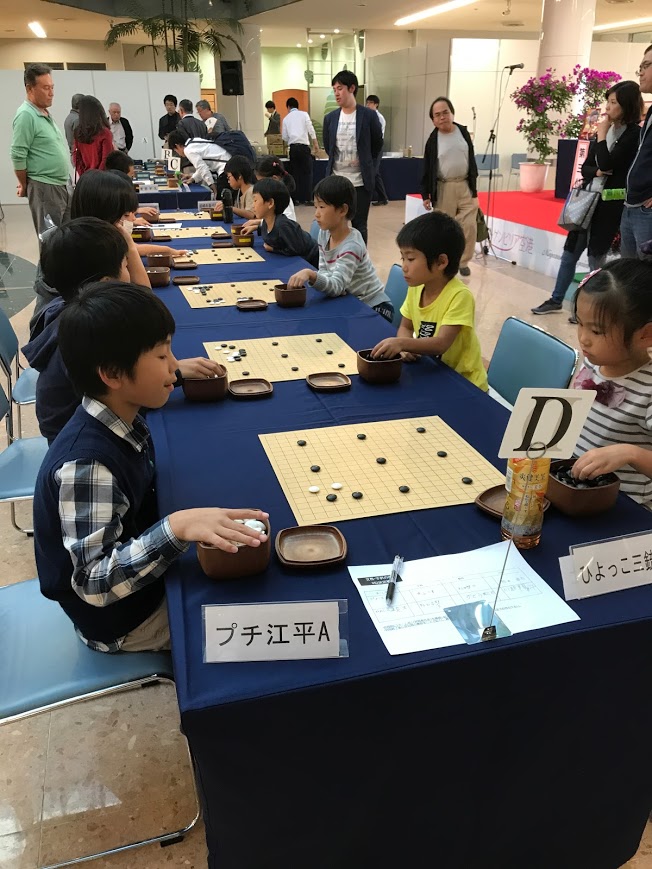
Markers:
point(106, 772)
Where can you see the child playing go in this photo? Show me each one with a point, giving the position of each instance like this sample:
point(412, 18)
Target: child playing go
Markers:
point(280, 234)
point(240, 175)
point(101, 547)
point(613, 306)
point(344, 264)
point(438, 315)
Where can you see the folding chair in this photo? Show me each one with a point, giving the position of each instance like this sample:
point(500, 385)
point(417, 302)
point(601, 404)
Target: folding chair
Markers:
point(515, 168)
point(19, 466)
point(396, 289)
point(59, 670)
point(23, 390)
point(526, 356)
point(491, 164)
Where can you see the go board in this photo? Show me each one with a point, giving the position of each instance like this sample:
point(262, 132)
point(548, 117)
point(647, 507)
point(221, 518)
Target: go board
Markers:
point(424, 463)
point(229, 293)
point(182, 215)
point(284, 358)
point(218, 256)
point(189, 231)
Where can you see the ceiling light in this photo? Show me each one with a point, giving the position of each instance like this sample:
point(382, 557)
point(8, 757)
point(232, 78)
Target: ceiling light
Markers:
point(632, 23)
point(322, 36)
point(434, 10)
point(310, 42)
point(298, 45)
point(37, 30)
point(337, 30)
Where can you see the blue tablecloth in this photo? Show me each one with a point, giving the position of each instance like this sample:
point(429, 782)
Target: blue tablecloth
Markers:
point(173, 199)
point(401, 175)
point(461, 756)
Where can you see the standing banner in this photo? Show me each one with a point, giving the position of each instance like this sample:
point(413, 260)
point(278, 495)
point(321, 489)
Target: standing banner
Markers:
point(589, 131)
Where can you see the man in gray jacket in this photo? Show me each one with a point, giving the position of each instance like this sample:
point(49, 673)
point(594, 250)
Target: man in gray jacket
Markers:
point(72, 120)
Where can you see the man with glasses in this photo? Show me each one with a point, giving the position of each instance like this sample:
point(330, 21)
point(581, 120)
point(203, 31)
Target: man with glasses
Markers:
point(450, 174)
point(636, 222)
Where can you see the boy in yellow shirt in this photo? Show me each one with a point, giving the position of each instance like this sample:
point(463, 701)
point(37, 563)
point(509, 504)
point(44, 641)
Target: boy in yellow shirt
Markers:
point(438, 315)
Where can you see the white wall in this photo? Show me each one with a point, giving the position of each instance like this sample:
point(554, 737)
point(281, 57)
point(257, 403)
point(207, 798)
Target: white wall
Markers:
point(139, 93)
point(405, 82)
point(14, 53)
point(384, 41)
point(283, 68)
point(621, 57)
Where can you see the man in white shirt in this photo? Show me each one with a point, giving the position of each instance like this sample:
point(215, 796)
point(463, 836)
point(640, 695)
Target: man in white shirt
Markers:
point(353, 140)
point(123, 136)
point(380, 194)
point(299, 133)
point(207, 158)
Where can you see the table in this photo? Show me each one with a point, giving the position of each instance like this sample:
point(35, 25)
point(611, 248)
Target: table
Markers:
point(176, 199)
point(401, 175)
point(463, 754)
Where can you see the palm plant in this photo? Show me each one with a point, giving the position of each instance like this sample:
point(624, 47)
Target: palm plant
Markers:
point(180, 35)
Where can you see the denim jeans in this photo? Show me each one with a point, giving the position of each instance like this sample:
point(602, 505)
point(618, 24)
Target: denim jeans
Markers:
point(635, 229)
point(569, 260)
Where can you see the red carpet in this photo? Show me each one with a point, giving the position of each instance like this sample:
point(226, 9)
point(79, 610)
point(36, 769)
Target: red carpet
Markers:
point(539, 210)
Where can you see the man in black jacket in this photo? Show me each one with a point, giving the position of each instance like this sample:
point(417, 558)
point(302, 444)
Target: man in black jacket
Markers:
point(191, 126)
point(450, 174)
point(353, 139)
point(123, 137)
point(170, 119)
point(636, 222)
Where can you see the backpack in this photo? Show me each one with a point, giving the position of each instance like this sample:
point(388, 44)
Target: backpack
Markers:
point(236, 143)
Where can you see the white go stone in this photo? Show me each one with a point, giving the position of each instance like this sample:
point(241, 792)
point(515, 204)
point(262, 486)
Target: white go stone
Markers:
point(336, 486)
point(313, 489)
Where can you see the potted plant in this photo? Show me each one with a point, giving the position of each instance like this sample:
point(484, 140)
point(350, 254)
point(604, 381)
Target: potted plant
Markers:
point(539, 98)
point(591, 85)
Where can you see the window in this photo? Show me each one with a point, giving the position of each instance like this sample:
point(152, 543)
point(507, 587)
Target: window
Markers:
point(77, 66)
point(51, 65)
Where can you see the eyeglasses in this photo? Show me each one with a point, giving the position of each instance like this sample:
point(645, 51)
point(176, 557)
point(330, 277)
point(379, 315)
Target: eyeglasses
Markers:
point(644, 66)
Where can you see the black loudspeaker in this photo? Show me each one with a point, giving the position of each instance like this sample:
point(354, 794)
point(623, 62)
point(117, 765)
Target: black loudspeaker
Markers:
point(231, 74)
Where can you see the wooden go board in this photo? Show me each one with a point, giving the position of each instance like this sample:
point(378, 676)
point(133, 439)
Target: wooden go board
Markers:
point(284, 358)
point(221, 255)
point(413, 460)
point(189, 231)
point(183, 215)
point(229, 293)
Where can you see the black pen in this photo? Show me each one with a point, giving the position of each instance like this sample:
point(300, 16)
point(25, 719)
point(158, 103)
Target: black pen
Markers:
point(391, 587)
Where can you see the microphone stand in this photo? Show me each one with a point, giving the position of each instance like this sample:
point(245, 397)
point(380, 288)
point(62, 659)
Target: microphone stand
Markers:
point(491, 149)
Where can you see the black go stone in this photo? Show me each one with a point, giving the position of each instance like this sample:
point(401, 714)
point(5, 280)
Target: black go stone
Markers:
point(222, 345)
point(315, 468)
point(274, 343)
point(329, 352)
point(332, 497)
point(381, 460)
point(318, 340)
point(284, 356)
point(356, 495)
point(467, 481)
point(421, 429)
point(246, 373)
point(341, 365)
point(442, 454)
point(231, 346)
point(237, 358)
point(362, 437)
point(404, 489)
point(294, 368)
point(301, 443)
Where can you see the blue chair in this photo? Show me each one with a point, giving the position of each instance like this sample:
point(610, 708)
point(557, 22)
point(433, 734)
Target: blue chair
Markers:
point(526, 356)
point(314, 230)
point(59, 670)
point(491, 164)
point(515, 168)
point(396, 289)
point(23, 391)
point(19, 466)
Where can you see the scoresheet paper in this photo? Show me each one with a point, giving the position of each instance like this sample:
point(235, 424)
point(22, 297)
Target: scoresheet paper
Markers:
point(417, 621)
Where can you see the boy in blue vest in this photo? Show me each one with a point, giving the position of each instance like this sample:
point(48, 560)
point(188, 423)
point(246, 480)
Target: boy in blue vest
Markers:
point(101, 549)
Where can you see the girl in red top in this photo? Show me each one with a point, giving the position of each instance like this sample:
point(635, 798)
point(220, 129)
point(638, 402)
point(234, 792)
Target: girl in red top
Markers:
point(93, 138)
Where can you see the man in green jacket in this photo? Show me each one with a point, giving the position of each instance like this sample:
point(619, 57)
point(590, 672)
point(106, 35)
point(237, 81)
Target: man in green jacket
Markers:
point(39, 152)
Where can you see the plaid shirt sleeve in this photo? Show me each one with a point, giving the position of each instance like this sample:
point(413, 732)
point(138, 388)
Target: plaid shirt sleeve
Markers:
point(91, 510)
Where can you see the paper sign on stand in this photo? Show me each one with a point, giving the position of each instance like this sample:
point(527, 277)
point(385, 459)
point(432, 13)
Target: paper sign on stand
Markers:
point(167, 154)
point(553, 418)
point(174, 164)
point(275, 631)
point(607, 565)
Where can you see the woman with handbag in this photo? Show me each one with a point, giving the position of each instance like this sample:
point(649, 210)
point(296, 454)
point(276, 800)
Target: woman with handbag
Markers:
point(606, 166)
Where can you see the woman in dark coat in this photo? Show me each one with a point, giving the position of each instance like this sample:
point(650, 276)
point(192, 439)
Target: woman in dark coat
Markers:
point(606, 166)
